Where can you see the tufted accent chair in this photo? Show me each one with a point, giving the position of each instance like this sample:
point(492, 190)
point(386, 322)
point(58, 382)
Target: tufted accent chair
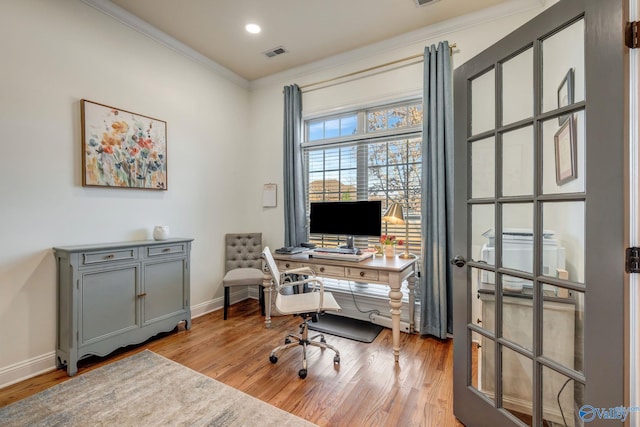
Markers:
point(243, 264)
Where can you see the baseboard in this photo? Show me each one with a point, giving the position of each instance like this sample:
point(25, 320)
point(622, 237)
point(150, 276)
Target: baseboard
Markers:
point(236, 295)
point(206, 307)
point(27, 369)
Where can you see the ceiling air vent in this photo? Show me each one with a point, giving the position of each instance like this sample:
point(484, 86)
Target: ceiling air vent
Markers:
point(275, 52)
point(420, 3)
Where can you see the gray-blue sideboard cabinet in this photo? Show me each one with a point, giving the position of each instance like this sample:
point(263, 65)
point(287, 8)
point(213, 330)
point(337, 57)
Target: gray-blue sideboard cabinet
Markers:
point(117, 294)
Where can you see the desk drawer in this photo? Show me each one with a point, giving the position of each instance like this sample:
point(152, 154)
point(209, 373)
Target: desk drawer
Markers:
point(89, 258)
point(328, 270)
point(361, 274)
point(288, 265)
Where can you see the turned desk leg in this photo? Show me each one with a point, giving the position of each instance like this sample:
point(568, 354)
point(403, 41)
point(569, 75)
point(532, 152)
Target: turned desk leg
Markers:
point(411, 285)
point(267, 284)
point(395, 301)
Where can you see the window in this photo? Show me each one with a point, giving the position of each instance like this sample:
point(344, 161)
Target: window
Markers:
point(332, 128)
point(368, 154)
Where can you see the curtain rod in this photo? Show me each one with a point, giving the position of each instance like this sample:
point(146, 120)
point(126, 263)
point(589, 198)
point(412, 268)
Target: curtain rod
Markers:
point(375, 67)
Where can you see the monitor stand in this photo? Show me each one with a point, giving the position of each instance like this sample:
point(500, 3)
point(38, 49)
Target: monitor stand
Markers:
point(349, 245)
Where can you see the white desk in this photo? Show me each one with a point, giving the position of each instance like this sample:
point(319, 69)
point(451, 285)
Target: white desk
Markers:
point(379, 269)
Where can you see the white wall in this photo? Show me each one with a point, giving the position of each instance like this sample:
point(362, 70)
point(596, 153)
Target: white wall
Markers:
point(53, 55)
point(471, 34)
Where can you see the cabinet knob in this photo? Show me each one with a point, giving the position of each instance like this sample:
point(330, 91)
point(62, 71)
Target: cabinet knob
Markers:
point(478, 320)
point(144, 294)
point(110, 256)
point(362, 274)
point(321, 269)
point(286, 265)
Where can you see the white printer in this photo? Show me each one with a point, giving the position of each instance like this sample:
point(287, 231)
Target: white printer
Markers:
point(517, 254)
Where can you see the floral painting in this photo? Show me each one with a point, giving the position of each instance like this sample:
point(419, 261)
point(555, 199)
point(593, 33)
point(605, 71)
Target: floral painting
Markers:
point(122, 149)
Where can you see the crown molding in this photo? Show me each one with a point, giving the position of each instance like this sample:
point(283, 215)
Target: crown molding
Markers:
point(430, 32)
point(143, 27)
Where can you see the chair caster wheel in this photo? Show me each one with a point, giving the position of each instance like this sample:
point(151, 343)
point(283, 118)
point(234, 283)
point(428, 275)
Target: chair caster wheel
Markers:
point(336, 360)
point(273, 359)
point(302, 373)
point(287, 341)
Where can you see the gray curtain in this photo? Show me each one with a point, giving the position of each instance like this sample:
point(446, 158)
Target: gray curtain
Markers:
point(293, 191)
point(437, 199)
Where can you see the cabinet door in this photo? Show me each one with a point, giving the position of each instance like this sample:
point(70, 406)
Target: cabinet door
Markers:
point(164, 289)
point(108, 302)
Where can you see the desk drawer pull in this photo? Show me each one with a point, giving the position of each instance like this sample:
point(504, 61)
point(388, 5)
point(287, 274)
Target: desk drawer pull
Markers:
point(321, 269)
point(361, 274)
point(166, 250)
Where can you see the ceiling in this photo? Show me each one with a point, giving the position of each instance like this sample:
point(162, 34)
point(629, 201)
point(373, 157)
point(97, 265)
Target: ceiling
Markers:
point(309, 30)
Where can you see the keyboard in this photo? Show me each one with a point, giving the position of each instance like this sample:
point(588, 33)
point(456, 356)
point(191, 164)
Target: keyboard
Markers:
point(290, 250)
point(345, 251)
point(342, 257)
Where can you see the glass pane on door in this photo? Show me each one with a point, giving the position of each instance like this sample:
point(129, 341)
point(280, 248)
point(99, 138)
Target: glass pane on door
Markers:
point(517, 236)
point(484, 304)
point(517, 385)
point(517, 311)
point(483, 172)
point(563, 326)
point(482, 365)
point(482, 241)
point(563, 71)
point(517, 162)
point(517, 88)
point(562, 397)
point(564, 240)
point(483, 103)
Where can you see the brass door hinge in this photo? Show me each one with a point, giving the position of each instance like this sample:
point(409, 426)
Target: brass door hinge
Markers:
point(631, 35)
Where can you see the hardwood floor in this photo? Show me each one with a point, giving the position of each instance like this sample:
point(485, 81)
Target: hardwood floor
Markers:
point(366, 389)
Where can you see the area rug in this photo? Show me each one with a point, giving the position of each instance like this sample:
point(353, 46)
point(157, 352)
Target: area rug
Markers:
point(144, 390)
point(346, 327)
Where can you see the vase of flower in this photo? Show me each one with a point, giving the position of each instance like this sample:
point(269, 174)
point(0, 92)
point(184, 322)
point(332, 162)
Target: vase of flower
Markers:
point(390, 250)
point(389, 243)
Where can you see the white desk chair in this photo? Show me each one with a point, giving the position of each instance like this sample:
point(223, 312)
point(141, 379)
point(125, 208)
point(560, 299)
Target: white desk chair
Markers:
point(306, 305)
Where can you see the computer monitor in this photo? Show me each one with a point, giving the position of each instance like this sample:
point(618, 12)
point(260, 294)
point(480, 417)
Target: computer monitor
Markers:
point(361, 218)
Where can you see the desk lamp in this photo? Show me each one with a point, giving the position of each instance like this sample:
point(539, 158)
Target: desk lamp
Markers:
point(395, 215)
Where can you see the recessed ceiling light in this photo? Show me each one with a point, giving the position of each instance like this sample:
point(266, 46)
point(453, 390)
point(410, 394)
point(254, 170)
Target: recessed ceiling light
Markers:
point(253, 28)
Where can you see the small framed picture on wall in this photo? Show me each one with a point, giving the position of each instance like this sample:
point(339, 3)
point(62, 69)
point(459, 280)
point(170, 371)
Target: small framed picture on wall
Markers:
point(565, 94)
point(565, 151)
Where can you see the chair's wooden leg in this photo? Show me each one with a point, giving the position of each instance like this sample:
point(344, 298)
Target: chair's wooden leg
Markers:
point(226, 301)
point(261, 298)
